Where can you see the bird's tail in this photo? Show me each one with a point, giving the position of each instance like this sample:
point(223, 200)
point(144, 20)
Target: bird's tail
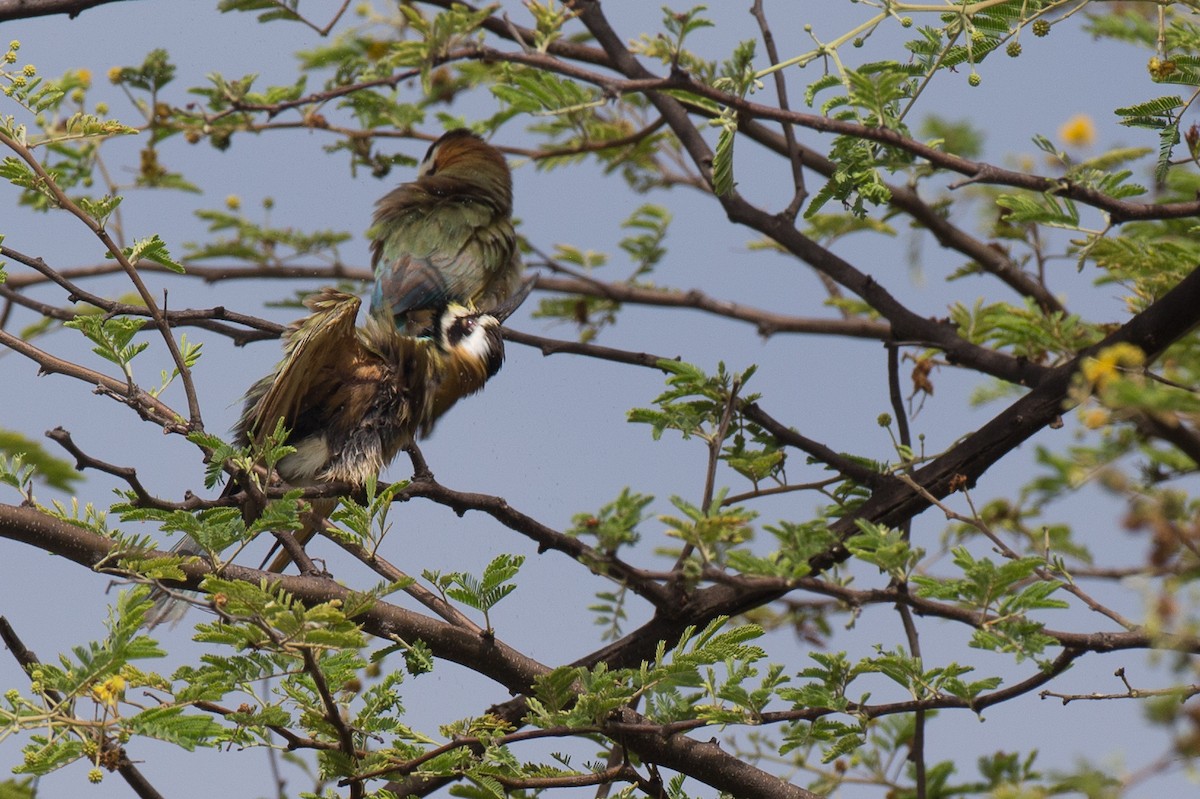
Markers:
point(314, 520)
point(169, 606)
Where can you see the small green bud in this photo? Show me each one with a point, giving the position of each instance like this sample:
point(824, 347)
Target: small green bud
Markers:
point(1041, 27)
point(859, 42)
point(906, 22)
point(974, 79)
point(884, 420)
point(96, 776)
point(1013, 50)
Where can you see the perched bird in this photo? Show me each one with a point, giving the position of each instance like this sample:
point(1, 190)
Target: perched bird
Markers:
point(353, 397)
point(447, 236)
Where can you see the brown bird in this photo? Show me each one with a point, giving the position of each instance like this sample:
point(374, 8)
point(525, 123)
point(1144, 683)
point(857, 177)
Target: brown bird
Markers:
point(447, 236)
point(353, 397)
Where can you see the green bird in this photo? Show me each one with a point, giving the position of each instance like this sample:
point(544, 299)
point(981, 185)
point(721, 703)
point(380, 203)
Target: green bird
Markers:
point(447, 236)
point(352, 397)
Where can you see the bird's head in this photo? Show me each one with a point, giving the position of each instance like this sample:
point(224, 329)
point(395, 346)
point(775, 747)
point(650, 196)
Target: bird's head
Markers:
point(474, 336)
point(461, 156)
point(471, 337)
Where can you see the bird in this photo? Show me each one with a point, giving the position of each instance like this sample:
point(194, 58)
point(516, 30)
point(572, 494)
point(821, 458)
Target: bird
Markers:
point(352, 397)
point(447, 236)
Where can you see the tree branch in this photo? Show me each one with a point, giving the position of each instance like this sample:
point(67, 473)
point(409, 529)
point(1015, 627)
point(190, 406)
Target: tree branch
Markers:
point(26, 9)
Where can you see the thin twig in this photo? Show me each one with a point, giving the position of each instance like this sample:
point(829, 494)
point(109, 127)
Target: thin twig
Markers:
point(160, 321)
point(147, 406)
point(29, 661)
point(789, 133)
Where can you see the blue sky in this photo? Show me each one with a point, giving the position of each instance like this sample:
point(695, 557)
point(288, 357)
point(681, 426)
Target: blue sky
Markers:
point(549, 434)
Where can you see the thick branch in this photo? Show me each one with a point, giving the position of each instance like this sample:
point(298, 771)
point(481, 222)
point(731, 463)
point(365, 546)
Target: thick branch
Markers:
point(483, 654)
point(24, 9)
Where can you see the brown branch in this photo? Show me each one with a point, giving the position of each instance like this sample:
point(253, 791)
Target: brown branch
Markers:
point(485, 655)
point(26, 9)
point(47, 183)
point(209, 274)
point(991, 258)
point(767, 323)
point(262, 328)
point(639, 81)
point(597, 562)
point(203, 319)
point(414, 589)
point(83, 461)
point(786, 436)
point(793, 152)
point(147, 406)
point(554, 346)
point(333, 714)
point(293, 740)
point(906, 325)
point(411, 765)
point(1182, 693)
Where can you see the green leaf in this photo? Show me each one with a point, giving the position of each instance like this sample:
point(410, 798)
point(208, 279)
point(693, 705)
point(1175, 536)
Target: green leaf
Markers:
point(113, 336)
point(153, 249)
point(171, 724)
point(722, 166)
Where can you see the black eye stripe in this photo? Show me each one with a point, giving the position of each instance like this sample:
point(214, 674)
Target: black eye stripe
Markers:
point(460, 329)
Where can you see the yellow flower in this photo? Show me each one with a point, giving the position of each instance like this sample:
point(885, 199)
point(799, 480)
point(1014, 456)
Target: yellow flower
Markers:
point(233, 202)
point(14, 45)
point(1103, 367)
point(85, 76)
point(1160, 69)
point(109, 691)
point(1094, 418)
point(1078, 131)
point(377, 50)
point(114, 74)
point(30, 70)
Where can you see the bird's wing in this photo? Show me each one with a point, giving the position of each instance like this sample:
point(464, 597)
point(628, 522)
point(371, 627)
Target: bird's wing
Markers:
point(316, 350)
point(440, 250)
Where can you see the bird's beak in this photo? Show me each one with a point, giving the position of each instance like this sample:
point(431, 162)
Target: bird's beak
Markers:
point(505, 309)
